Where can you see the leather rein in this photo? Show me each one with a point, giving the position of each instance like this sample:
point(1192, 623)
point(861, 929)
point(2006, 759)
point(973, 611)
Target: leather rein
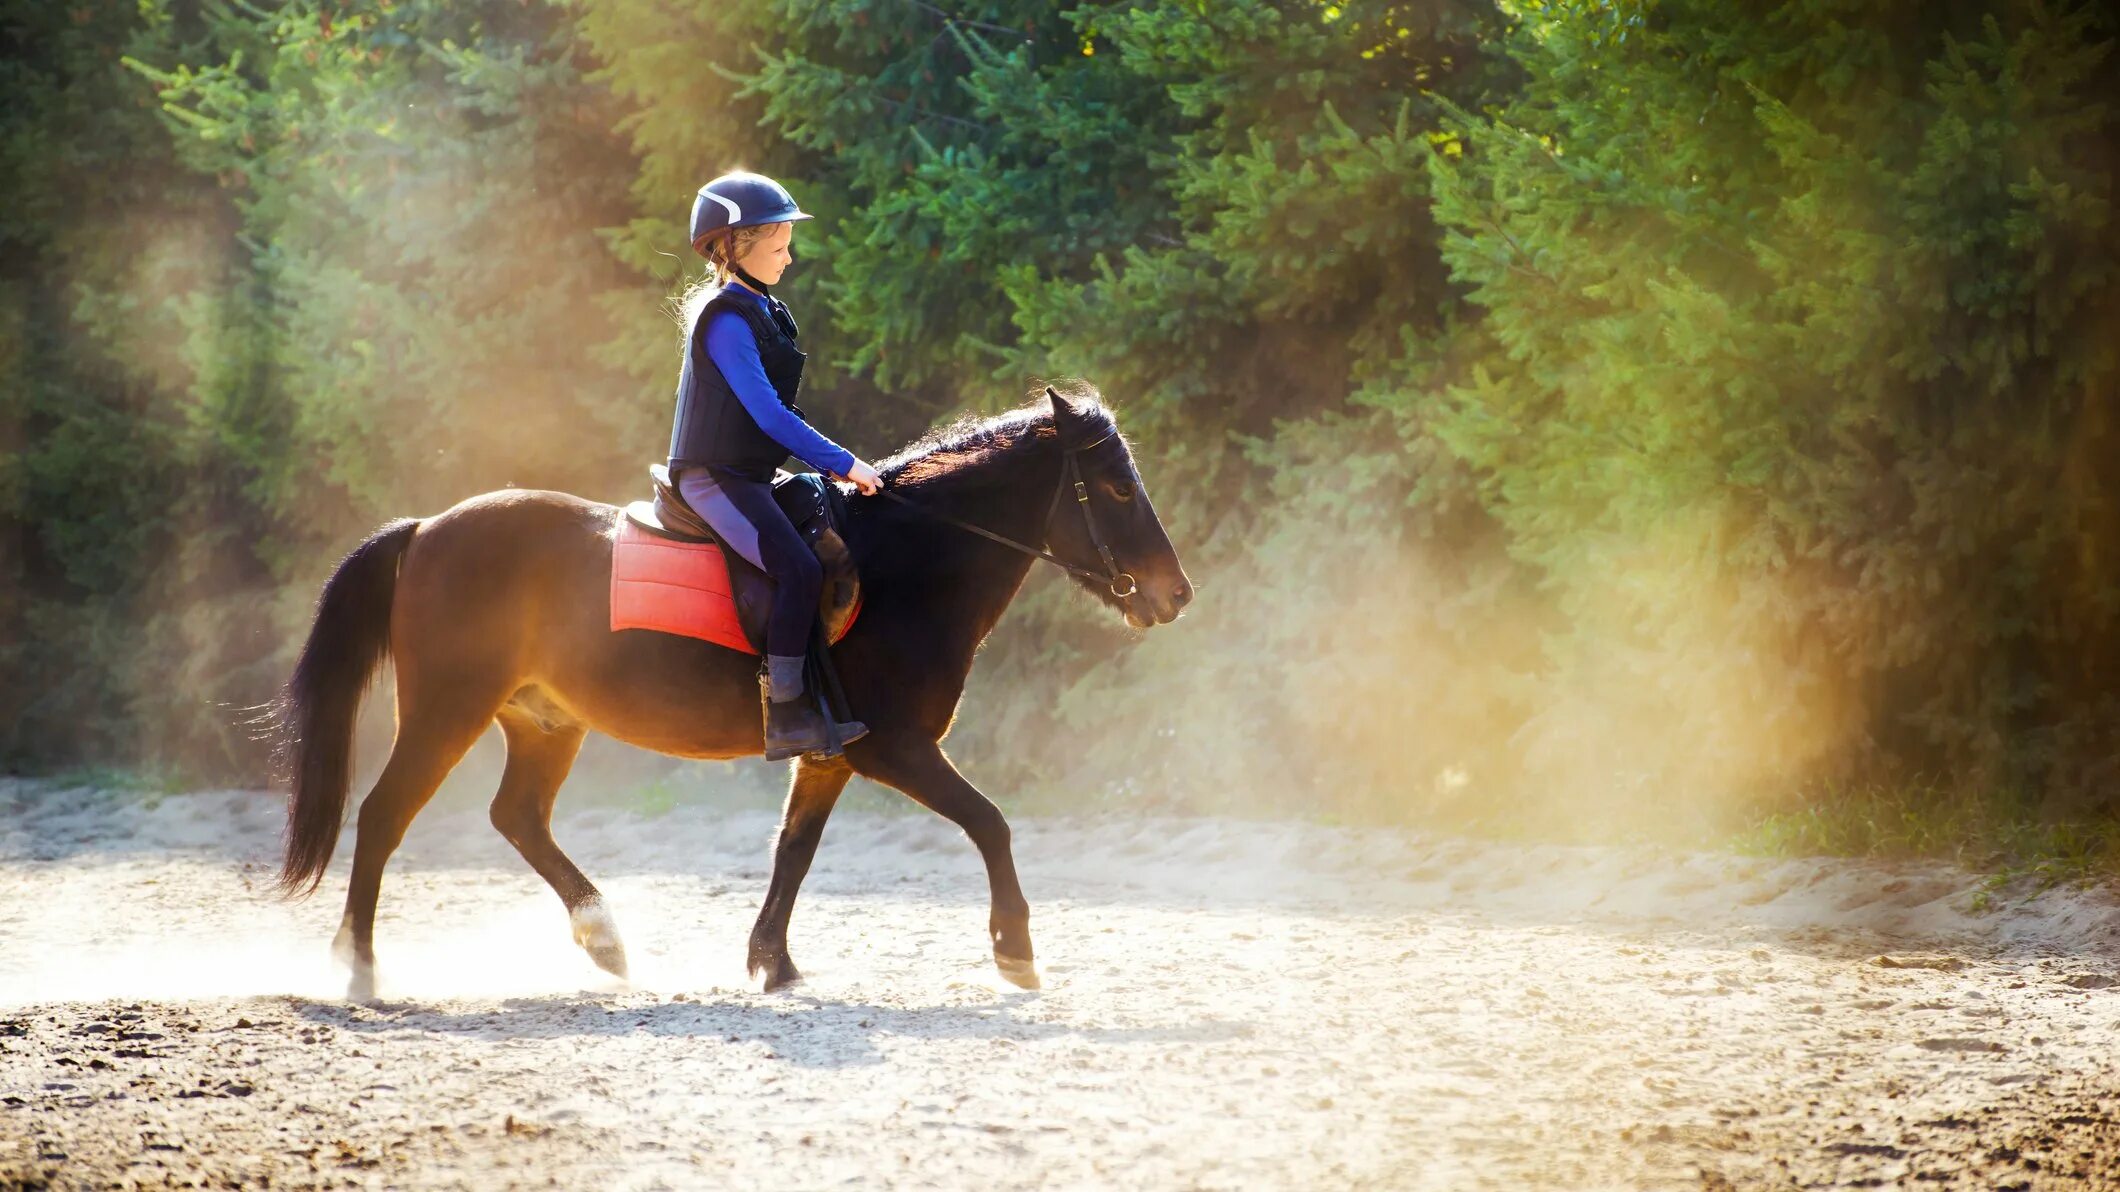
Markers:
point(1122, 584)
point(1112, 575)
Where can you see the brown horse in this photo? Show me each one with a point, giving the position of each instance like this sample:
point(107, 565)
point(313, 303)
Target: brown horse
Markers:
point(499, 609)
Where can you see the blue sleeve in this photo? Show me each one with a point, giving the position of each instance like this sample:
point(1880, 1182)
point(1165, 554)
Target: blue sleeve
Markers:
point(734, 350)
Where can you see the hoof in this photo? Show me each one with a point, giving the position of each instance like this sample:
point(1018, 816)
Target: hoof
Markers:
point(611, 959)
point(1021, 973)
point(342, 946)
point(597, 934)
point(775, 975)
point(360, 984)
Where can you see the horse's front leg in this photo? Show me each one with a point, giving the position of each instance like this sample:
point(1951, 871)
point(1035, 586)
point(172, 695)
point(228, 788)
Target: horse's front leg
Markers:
point(919, 768)
point(812, 793)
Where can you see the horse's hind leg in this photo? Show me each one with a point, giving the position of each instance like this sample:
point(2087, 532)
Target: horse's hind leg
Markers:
point(538, 761)
point(433, 736)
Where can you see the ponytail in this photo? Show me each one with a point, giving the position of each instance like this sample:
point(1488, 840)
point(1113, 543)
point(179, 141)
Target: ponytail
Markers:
point(721, 250)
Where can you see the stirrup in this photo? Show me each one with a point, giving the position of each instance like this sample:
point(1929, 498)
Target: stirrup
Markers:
point(841, 733)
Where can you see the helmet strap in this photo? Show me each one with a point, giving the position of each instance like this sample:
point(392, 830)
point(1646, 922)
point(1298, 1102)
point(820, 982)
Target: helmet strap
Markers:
point(750, 281)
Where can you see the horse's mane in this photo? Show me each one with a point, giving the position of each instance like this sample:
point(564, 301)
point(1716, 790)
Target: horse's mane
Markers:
point(962, 448)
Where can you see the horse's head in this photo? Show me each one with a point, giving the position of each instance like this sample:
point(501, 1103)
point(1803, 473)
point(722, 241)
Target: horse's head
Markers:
point(1118, 513)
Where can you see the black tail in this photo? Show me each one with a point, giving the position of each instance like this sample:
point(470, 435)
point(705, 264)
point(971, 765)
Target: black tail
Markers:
point(315, 711)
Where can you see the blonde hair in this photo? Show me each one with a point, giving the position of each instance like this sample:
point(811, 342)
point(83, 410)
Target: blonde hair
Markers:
point(722, 250)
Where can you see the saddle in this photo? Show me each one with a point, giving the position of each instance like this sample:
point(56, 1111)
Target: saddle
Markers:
point(670, 572)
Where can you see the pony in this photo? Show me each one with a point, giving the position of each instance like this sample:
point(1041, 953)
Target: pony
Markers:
point(498, 609)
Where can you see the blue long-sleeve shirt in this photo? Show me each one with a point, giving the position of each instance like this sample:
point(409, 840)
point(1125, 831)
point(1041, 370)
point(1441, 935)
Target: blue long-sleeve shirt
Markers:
point(734, 350)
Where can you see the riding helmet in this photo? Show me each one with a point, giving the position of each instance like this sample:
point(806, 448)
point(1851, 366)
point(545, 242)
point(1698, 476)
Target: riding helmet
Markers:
point(740, 200)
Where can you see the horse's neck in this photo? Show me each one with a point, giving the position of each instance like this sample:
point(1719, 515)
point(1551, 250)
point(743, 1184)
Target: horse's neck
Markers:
point(965, 580)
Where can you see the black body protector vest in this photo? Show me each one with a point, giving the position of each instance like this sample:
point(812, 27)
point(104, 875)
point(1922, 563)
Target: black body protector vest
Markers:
point(712, 427)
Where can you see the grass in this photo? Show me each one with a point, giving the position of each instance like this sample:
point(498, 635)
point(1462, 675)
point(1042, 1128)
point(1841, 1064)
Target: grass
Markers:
point(148, 784)
point(1999, 833)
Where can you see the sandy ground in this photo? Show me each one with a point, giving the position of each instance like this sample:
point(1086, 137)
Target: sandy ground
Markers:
point(1227, 1005)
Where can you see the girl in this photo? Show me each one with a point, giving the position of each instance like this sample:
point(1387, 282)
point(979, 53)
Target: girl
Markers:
point(737, 421)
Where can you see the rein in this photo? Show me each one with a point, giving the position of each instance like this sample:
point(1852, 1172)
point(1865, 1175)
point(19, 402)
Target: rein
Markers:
point(1111, 573)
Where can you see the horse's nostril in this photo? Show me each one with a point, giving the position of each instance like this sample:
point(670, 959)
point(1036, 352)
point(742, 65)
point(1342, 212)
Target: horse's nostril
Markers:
point(1182, 597)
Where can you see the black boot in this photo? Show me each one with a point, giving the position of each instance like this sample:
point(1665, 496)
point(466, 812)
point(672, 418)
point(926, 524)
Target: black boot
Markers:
point(845, 731)
point(792, 726)
point(820, 676)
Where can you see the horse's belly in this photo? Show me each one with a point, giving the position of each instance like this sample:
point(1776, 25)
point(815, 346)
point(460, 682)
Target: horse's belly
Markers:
point(663, 692)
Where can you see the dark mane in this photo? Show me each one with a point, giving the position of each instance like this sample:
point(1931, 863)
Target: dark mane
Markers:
point(957, 448)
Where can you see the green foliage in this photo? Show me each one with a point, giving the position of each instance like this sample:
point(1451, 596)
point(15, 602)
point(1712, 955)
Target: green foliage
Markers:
point(1798, 379)
point(1270, 253)
point(2003, 833)
point(273, 277)
point(1582, 417)
point(118, 505)
point(419, 188)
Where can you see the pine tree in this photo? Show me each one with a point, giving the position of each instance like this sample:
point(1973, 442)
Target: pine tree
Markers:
point(1797, 379)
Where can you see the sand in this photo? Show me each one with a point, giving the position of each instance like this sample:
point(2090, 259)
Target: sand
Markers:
point(1227, 1005)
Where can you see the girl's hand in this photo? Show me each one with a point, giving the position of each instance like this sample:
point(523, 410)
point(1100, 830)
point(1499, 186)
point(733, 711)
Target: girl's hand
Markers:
point(864, 478)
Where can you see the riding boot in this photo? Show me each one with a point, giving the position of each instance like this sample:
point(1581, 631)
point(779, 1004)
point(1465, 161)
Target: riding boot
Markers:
point(791, 726)
point(823, 678)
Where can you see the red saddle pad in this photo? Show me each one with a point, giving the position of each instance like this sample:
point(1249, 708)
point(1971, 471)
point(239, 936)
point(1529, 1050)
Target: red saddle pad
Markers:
point(676, 587)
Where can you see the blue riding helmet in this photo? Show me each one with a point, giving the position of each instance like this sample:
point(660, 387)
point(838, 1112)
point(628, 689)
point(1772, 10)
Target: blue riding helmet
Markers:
point(740, 200)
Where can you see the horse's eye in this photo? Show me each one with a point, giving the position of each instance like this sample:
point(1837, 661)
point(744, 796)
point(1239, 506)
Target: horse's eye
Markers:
point(1123, 491)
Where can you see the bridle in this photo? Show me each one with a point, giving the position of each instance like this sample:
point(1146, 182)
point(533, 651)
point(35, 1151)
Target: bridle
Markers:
point(1122, 584)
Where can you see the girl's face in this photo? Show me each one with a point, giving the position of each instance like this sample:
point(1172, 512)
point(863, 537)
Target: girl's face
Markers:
point(769, 256)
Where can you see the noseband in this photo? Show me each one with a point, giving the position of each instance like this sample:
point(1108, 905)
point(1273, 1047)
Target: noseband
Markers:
point(1121, 583)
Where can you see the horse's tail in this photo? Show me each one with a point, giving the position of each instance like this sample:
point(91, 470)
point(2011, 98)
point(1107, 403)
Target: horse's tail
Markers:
point(315, 712)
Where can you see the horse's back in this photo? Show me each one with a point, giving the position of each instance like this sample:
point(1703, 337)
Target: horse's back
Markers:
point(518, 582)
point(488, 574)
point(526, 510)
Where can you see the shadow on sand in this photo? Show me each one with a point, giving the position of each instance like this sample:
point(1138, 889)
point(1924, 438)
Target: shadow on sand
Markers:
point(808, 1031)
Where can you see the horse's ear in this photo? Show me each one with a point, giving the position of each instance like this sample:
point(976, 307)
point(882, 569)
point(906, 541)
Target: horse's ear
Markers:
point(1065, 412)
